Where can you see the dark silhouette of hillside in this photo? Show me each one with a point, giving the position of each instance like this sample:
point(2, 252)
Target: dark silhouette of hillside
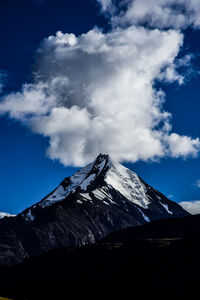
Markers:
point(158, 260)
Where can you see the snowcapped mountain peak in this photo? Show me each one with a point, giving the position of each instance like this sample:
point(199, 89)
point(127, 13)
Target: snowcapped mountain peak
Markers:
point(103, 171)
point(118, 177)
point(100, 166)
point(127, 183)
point(102, 162)
point(100, 198)
point(81, 179)
point(102, 157)
point(85, 176)
point(105, 182)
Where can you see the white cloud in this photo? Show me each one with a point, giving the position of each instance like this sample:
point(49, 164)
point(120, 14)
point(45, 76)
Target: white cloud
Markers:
point(106, 5)
point(95, 93)
point(192, 207)
point(170, 75)
point(156, 13)
point(182, 145)
point(34, 99)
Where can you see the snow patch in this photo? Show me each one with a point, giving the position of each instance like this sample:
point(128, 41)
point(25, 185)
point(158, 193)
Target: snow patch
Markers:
point(98, 193)
point(127, 183)
point(4, 214)
point(59, 194)
point(101, 166)
point(103, 194)
point(87, 182)
point(86, 196)
point(105, 202)
point(78, 179)
point(144, 216)
point(29, 216)
point(166, 208)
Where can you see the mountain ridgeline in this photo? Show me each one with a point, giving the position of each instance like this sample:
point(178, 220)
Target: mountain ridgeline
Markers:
point(99, 199)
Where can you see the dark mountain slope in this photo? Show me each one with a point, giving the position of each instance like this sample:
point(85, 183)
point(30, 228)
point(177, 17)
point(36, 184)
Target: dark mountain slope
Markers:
point(162, 264)
point(186, 227)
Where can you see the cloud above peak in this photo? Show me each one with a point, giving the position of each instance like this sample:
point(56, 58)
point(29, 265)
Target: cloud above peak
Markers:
point(96, 93)
point(160, 14)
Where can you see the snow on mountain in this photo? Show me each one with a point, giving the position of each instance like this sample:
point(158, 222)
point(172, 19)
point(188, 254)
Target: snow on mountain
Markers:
point(117, 176)
point(98, 180)
point(4, 214)
point(78, 179)
point(99, 199)
point(127, 183)
point(166, 207)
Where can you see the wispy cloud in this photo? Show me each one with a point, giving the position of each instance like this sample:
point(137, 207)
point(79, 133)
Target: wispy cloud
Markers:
point(197, 183)
point(3, 77)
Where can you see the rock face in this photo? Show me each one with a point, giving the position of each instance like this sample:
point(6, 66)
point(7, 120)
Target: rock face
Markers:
point(101, 198)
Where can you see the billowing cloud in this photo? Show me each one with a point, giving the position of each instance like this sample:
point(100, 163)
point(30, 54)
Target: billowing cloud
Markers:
point(95, 93)
point(156, 13)
point(192, 207)
point(182, 145)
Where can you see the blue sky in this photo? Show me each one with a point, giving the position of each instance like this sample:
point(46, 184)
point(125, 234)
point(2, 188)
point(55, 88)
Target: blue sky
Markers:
point(27, 172)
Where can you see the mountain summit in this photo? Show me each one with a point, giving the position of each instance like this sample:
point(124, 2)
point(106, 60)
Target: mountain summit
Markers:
point(97, 179)
point(100, 198)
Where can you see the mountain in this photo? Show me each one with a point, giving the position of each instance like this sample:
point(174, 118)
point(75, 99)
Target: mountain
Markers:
point(159, 259)
point(100, 198)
